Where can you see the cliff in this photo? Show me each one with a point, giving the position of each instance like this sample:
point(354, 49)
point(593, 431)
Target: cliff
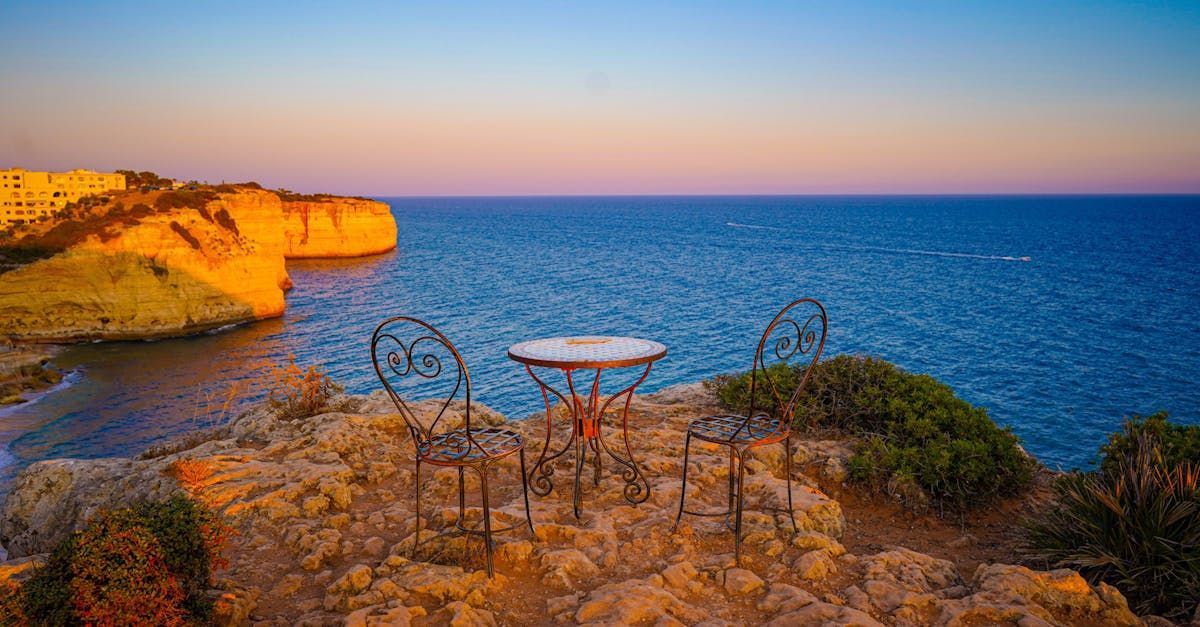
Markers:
point(337, 227)
point(193, 263)
point(325, 512)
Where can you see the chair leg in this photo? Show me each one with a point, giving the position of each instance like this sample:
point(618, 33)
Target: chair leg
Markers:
point(787, 469)
point(732, 483)
point(687, 445)
point(737, 521)
point(462, 499)
point(417, 532)
point(487, 520)
point(525, 489)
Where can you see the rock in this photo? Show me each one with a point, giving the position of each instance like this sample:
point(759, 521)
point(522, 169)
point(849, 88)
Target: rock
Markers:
point(815, 565)
point(356, 579)
point(556, 606)
point(288, 586)
point(634, 602)
point(824, 614)
point(813, 540)
point(176, 272)
point(1004, 593)
point(910, 570)
point(21, 568)
point(680, 575)
point(783, 598)
point(337, 227)
point(565, 566)
point(52, 498)
point(375, 546)
point(518, 551)
point(739, 581)
point(460, 614)
point(232, 608)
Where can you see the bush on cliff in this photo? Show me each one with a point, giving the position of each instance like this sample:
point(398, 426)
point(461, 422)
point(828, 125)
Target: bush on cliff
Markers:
point(149, 564)
point(297, 393)
point(1175, 442)
point(916, 438)
point(180, 199)
point(1134, 522)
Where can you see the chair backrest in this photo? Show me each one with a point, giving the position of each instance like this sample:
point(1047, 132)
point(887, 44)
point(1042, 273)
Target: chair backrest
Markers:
point(797, 332)
point(408, 352)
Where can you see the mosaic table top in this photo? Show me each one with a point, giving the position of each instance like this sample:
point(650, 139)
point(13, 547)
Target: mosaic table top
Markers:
point(590, 351)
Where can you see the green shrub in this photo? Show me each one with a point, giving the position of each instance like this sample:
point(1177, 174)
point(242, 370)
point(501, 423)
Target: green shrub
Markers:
point(916, 438)
point(149, 564)
point(1133, 523)
point(181, 199)
point(1175, 442)
point(734, 390)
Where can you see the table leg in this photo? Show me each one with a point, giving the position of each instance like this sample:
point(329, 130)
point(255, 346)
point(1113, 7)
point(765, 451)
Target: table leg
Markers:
point(593, 402)
point(582, 430)
point(637, 487)
point(587, 432)
point(539, 475)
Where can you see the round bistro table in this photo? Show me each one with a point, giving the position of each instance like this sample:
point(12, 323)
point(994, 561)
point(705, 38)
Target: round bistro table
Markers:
point(598, 353)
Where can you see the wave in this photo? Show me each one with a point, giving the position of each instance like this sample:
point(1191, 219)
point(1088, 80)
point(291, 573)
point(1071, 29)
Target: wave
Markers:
point(893, 251)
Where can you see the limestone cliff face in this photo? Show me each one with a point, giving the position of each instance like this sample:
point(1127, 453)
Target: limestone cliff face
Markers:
point(337, 227)
point(184, 270)
point(171, 274)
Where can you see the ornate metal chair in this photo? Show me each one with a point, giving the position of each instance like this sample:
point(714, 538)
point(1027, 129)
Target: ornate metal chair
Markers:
point(407, 352)
point(789, 335)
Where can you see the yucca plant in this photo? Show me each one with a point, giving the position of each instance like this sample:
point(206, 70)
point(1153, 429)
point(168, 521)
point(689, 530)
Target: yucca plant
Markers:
point(1135, 525)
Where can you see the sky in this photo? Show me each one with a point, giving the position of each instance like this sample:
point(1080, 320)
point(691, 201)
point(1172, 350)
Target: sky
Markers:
point(509, 98)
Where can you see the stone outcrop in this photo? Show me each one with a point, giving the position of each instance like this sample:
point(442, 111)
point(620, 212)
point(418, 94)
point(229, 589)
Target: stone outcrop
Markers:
point(184, 271)
point(337, 227)
point(24, 372)
point(326, 524)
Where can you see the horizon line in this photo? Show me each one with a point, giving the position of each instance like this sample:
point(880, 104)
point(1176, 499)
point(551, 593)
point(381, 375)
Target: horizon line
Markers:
point(808, 195)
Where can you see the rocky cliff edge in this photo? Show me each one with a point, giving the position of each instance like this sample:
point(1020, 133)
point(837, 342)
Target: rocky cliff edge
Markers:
point(325, 511)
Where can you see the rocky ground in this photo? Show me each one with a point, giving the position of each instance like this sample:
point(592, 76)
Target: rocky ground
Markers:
point(325, 513)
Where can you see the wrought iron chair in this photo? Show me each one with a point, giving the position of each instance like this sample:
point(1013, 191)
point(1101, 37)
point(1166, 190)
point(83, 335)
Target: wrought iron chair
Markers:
point(791, 336)
point(428, 355)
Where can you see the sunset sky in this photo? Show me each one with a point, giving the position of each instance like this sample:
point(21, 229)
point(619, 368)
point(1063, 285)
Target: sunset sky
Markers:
point(612, 98)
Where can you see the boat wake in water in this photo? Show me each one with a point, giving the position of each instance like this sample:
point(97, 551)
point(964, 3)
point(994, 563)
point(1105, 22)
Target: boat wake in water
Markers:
point(879, 249)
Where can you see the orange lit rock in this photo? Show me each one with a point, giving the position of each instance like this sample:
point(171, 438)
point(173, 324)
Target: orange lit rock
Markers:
point(184, 271)
point(337, 227)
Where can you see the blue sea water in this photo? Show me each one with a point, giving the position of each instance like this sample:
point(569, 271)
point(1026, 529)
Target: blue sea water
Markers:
point(1101, 322)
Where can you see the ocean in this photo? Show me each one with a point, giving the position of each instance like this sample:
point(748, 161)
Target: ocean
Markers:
point(1101, 321)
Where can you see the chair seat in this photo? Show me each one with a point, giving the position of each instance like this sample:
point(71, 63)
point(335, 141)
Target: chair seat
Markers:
point(453, 447)
point(728, 429)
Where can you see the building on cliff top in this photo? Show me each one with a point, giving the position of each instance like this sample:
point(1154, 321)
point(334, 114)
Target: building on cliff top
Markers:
point(26, 195)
